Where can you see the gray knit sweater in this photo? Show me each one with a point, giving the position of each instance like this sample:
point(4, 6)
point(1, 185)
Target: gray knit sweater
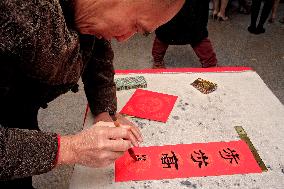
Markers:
point(41, 57)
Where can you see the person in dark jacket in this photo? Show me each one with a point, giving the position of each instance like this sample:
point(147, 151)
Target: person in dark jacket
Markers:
point(189, 26)
point(255, 28)
point(45, 47)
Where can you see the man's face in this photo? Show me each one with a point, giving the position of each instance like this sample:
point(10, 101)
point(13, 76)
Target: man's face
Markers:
point(123, 20)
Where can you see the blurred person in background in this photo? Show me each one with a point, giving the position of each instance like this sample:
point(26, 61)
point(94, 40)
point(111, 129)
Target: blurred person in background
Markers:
point(274, 11)
point(189, 26)
point(255, 9)
point(219, 10)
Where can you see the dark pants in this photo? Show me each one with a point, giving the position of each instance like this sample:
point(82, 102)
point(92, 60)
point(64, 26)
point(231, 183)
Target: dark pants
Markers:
point(203, 50)
point(255, 8)
point(18, 114)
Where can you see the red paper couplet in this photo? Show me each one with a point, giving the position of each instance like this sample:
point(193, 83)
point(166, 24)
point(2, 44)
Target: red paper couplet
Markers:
point(186, 160)
point(150, 105)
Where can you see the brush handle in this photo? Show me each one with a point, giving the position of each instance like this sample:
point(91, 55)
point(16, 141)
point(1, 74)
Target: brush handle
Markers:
point(130, 150)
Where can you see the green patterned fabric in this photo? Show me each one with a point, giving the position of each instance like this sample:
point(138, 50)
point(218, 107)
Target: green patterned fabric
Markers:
point(130, 83)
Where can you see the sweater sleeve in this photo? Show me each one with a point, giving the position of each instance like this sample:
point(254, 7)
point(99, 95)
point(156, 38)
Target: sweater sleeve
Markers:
point(25, 152)
point(98, 78)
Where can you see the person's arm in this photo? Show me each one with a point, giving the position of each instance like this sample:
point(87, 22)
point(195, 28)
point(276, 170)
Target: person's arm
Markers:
point(28, 38)
point(97, 146)
point(25, 153)
point(98, 78)
point(100, 89)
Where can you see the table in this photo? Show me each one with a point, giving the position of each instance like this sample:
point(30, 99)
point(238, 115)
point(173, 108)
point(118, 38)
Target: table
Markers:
point(241, 99)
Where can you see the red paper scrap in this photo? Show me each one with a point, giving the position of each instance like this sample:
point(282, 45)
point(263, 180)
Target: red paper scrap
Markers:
point(150, 105)
point(186, 160)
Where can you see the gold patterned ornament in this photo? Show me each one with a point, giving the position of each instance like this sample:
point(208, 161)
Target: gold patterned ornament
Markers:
point(204, 86)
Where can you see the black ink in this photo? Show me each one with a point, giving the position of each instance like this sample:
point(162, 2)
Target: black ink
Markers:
point(170, 160)
point(141, 157)
point(231, 155)
point(176, 117)
point(165, 181)
point(200, 158)
point(188, 184)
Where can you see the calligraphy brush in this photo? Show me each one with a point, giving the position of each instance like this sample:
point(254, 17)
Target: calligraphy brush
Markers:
point(130, 150)
point(132, 154)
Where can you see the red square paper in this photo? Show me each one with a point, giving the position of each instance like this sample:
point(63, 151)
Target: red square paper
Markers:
point(150, 105)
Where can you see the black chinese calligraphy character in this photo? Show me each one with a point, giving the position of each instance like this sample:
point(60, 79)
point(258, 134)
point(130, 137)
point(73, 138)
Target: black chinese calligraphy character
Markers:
point(200, 158)
point(141, 157)
point(170, 160)
point(231, 155)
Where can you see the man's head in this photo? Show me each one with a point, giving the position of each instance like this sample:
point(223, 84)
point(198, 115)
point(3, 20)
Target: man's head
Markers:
point(121, 19)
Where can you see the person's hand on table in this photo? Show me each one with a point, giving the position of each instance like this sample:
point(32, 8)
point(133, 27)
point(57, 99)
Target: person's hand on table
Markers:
point(131, 126)
point(97, 146)
point(121, 121)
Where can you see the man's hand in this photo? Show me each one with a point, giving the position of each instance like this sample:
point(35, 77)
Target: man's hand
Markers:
point(97, 146)
point(129, 125)
point(122, 122)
